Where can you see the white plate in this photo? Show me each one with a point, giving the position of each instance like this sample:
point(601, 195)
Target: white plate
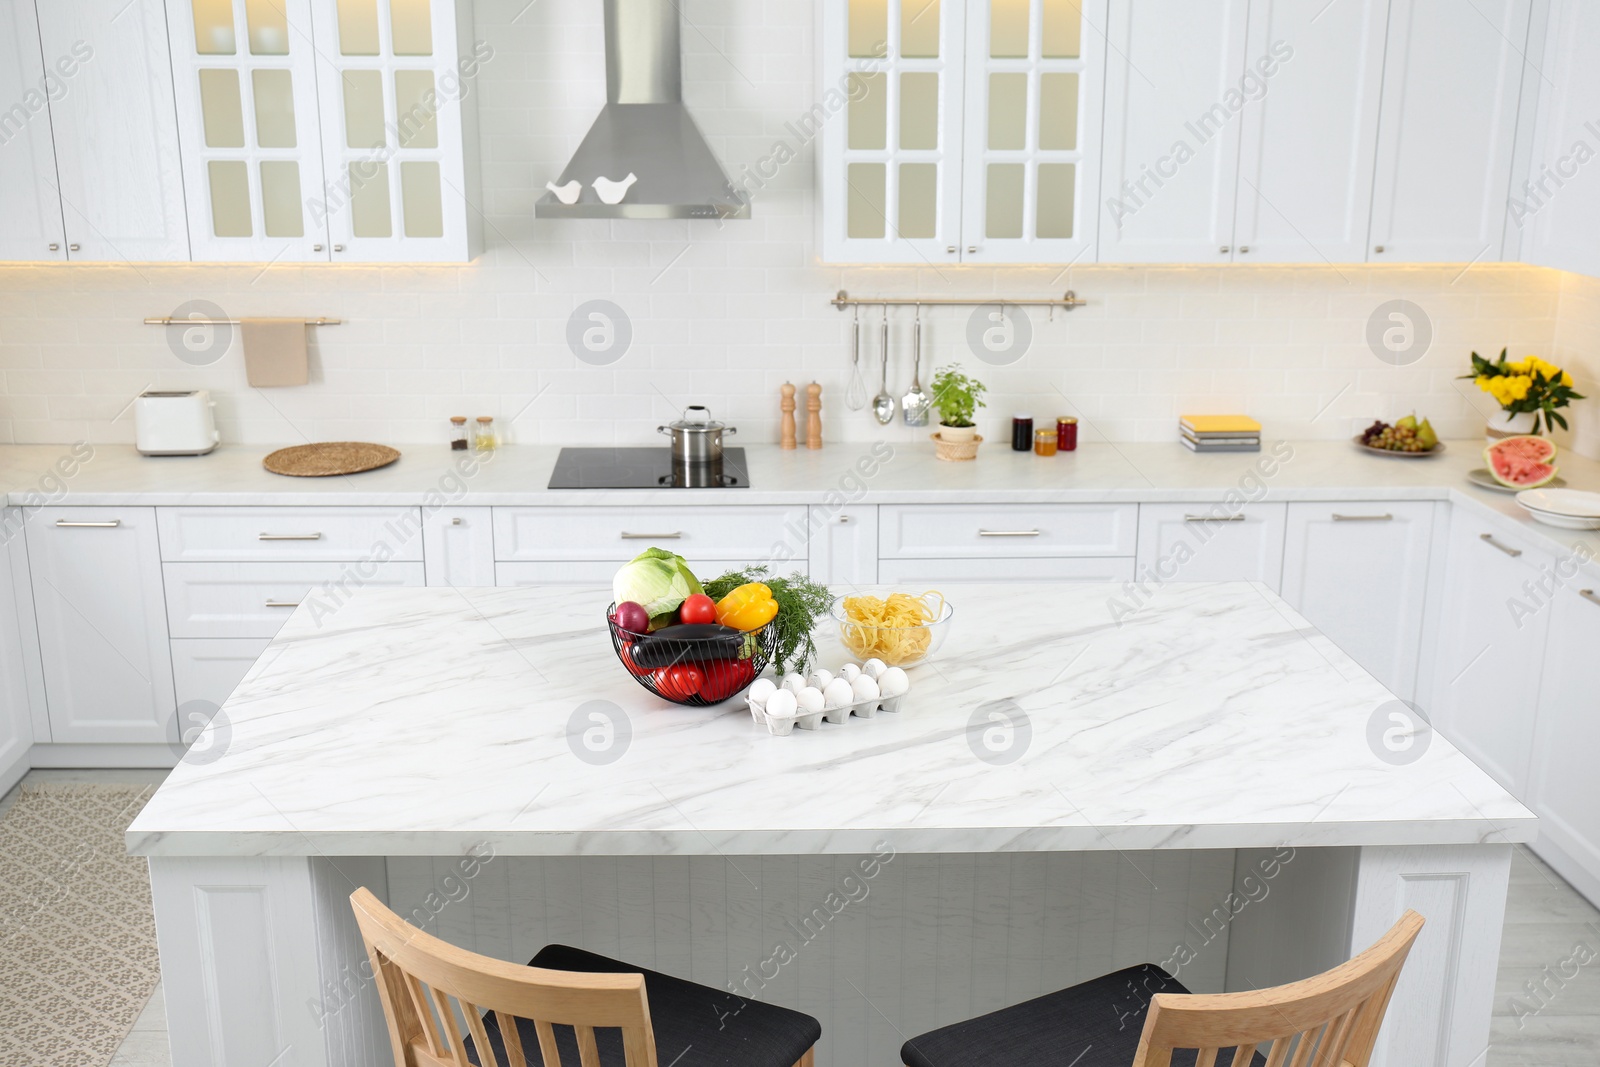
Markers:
point(1572, 503)
point(1482, 478)
point(1565, 522)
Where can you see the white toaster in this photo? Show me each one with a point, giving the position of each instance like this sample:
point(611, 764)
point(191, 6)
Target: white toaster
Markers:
point(175, 423)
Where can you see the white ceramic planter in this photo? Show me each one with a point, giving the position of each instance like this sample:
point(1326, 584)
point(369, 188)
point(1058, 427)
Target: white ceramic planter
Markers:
point(958, 434)
point(1499, 428)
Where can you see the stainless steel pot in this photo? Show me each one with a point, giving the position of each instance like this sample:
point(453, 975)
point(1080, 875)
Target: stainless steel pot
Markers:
point(697, 437)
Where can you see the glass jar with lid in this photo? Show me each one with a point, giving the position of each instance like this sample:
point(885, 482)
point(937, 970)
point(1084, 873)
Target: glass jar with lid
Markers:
point(483, 438)
point(458, 433)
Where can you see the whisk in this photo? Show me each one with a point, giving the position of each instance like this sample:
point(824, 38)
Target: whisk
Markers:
point(855, 398)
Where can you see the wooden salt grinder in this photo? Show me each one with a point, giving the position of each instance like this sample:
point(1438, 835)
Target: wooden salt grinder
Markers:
point(787, 421)
point(813, 416)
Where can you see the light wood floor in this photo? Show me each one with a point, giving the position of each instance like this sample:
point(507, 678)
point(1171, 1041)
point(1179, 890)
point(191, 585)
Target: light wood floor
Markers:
point(1546, 920)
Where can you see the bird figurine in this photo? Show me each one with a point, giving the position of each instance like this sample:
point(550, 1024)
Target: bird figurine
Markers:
point(612, 192)
point(568, 193)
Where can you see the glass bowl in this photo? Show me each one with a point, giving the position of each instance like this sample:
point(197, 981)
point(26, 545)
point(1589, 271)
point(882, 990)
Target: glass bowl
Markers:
point(897, 646)
point(695, 673)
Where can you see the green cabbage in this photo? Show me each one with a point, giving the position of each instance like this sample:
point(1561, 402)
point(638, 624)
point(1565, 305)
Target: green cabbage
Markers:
point(658, 580)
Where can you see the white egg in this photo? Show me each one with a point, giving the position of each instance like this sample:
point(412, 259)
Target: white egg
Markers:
point(820, 678)
point(874, 667)
point(864, 688)
point(810, 699)
point(794, 682)
point(838, 693)
point(894, 682)
point(762, 690)
point(849, 672)
point(782, 704)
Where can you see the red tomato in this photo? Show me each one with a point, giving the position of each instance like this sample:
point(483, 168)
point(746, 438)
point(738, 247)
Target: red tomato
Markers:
point(679, 682)
point(725, 677)
point(697, 609)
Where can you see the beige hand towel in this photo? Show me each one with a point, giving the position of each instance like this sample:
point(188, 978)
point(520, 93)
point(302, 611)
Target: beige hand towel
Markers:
point(274, 351)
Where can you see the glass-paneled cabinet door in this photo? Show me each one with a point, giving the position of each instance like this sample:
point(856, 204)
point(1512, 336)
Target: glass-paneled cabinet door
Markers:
point(1035, 75)
point(889, 113)
point(392, 87)
point(247, 106)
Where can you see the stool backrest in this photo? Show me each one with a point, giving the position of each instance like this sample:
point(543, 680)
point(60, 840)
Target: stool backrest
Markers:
point(421, 980)
point(1330, 1020)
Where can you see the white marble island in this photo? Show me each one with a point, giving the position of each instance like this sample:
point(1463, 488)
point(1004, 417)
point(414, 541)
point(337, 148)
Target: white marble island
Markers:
point(1059, 795)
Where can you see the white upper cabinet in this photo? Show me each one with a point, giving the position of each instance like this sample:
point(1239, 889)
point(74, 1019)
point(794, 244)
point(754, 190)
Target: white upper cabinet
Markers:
point(1557, 205)
point(1309, 142)
point(323, 130)
point(391, 85)
point(1451, 92)
point(891, 170)
point(1035, 71)
point(247, 95)
point(1175, 92)
point(116, 134)
point(969, 134)
point(30, 225)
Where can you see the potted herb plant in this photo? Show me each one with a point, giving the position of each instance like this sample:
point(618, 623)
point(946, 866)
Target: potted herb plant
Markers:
point(1529, 391)
point(957, 399)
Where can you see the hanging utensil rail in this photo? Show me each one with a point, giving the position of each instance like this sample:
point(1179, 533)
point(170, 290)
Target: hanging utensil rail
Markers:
point(843, 299)
point(169, 321)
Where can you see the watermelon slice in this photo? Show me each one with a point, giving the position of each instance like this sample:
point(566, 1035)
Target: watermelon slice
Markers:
point(1521, 462)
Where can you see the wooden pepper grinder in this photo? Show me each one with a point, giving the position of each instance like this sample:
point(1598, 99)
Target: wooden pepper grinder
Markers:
point(787, 420)
point(813, 416)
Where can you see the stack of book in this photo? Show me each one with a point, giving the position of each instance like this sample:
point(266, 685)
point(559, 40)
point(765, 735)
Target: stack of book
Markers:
point(1220, 433)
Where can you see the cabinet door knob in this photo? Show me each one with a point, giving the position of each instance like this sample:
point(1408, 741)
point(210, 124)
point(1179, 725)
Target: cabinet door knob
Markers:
point(72, 248)
point(1244, 249)
point(972, 248)
point(843, 519)
point(950, 249)
point(338, 248)
point(316, 248)
point(456, 521)
point(1378, 249)
point(54, 247)
point(1507, 549)
point(1225, 249)
point(1589, 595)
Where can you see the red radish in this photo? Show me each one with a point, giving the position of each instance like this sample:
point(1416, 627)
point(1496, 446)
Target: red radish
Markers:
point(632, 617)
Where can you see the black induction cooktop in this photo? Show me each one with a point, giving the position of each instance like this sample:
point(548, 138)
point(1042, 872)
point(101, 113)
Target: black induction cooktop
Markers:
point(646, 468)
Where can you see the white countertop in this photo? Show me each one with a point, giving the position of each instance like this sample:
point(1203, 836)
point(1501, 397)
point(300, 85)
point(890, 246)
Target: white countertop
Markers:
point(424, 721)
point(116, 475)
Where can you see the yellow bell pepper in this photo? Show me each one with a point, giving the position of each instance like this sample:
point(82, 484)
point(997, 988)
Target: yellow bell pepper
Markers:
point(749, 607)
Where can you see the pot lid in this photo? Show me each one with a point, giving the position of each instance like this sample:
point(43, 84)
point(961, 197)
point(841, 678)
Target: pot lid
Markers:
point(697, 419)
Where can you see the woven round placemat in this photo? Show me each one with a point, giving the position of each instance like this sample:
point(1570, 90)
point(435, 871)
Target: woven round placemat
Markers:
point(329, 458)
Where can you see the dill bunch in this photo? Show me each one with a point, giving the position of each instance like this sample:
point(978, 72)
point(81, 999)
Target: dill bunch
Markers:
point(801, 602)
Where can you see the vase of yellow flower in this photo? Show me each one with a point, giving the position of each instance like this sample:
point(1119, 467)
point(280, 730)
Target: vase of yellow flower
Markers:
point(1529, 391)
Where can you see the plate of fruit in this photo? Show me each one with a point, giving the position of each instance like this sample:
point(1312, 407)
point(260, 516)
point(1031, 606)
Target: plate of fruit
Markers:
point(1408, 438)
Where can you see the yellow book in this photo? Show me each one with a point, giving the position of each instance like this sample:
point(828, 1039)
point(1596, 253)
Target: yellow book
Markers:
point(1221, 423)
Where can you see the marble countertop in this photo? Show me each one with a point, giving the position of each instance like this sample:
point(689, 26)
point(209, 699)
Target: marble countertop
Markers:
point(885, 472)
point(425, 721)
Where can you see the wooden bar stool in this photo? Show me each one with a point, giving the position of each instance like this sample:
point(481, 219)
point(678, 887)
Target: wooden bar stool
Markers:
point(566, 1008)
point(1330, 1020)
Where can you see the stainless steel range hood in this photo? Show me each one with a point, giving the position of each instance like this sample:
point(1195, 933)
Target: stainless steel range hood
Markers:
point(645, 130)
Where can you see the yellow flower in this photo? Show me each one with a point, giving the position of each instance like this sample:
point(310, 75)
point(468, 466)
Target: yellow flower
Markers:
point(1518, 386)
point(1521, 366)
point(1566, 379)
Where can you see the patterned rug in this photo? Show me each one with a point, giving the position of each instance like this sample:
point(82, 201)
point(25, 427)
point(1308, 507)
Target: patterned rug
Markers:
point(77, 936)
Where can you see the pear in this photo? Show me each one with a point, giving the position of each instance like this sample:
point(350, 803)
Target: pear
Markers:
point(1407, 423)
point(1426, 437)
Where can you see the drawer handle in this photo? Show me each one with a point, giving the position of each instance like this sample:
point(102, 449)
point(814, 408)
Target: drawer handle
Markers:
point(676, 535)
point(108, 525)
point(1237, 516)
point(1589, 595)
point(283, 603)
point(1008, 533)
point(1507, 549)
point(1362, 518)
point(456, 521)
point(290, 537)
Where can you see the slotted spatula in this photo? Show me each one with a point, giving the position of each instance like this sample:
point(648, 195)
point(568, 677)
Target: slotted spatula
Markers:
point(915, 403)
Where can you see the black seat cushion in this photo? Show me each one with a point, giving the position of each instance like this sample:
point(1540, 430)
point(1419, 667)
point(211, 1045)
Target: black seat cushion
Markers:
point(695, 1025)
point(1095, 1024)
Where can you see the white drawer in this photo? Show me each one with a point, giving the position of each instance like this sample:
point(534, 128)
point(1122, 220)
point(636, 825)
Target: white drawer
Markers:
point(953, 531)
point(194, 535)
point(1212, 542)
point(918, 574)
point(616, 535)
point(256, 599)
point(205, 672)
point(596, 572)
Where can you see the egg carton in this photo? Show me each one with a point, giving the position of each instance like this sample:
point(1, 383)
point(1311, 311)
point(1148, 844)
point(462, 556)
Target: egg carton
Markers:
point(782, 725)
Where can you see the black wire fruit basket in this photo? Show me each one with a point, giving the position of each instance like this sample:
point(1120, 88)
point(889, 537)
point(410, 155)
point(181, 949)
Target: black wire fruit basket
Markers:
point(695, 666)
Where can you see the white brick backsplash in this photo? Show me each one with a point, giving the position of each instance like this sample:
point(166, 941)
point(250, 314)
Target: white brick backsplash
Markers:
point(724, 314)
